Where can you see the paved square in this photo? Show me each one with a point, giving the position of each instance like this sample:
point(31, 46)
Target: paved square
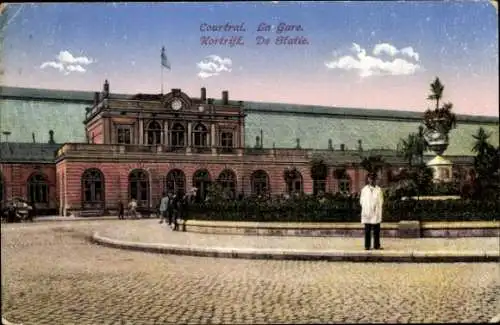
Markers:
point(52, 275)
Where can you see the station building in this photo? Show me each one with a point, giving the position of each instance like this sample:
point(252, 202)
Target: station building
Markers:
point(82, 152)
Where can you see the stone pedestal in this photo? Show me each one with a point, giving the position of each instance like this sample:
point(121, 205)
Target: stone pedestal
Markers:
point(442, 169)
point(409, 229)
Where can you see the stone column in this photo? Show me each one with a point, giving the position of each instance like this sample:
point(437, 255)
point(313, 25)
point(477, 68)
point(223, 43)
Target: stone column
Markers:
point(241, 131)
point(189, 137)
point(213, 142)
point(141, 131)
point(165, 133)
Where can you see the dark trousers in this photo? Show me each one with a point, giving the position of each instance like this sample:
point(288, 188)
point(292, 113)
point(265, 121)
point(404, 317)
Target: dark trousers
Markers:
point(121, 214)
point(376, 235)
point(170, 214)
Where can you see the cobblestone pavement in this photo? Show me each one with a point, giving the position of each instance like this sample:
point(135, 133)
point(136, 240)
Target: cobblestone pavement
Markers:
point(52, 275)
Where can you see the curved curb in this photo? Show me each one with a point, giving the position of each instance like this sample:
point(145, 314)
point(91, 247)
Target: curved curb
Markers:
point(495, 319)
point(289, 254)
point(6, 322)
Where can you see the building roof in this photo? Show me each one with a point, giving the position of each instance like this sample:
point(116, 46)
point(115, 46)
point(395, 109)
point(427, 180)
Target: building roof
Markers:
point(439, 161)
point(25, 111)
point(87, 97)
point(28, 152)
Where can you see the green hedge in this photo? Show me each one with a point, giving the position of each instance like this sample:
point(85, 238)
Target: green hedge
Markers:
point(310, 209)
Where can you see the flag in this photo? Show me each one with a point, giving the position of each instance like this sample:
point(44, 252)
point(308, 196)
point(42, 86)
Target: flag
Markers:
point(164, 59)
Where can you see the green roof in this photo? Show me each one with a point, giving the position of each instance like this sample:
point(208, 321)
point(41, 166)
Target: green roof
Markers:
point(28, 152)
point(24, 111)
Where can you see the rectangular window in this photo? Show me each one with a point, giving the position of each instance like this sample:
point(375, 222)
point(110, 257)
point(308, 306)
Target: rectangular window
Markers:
point(227, 139)
point(123, 135)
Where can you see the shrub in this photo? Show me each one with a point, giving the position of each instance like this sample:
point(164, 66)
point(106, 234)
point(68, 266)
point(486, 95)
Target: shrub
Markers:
point(343, 209)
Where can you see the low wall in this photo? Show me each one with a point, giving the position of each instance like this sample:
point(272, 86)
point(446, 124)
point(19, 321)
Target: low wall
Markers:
point(430, 229)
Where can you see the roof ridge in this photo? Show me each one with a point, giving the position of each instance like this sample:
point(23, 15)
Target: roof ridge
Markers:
point(88, 96)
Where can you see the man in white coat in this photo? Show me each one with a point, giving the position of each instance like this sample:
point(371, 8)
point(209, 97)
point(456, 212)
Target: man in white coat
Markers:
point(372, 201)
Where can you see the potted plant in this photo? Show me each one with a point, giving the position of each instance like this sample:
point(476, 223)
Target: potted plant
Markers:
point(440, 120)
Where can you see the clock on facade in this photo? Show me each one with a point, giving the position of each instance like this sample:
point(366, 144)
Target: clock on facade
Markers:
point(176, 105)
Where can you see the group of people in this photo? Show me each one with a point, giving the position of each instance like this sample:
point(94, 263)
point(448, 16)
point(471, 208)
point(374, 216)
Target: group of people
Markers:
point(172, 208)
point(17, 211)
point(175, 207)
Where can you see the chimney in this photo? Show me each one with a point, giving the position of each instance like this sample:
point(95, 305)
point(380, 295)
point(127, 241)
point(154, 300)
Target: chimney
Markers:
point(257, 142)
point(106, 89)
point(360, 145)
point(210, 101)
point(225, 97)
point(342, 147)
point(96, 98)
point(51, 137)
point(203, 94)
point(33, 136)
point(330, 144)
point(6, 133)
point(298, 143)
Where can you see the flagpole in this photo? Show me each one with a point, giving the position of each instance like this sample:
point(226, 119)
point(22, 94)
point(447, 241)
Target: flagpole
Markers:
point(161, 67)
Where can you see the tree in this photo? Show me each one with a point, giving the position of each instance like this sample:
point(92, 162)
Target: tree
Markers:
point(437, 89)
point(413, 147)
point(319, 172)
point(423, 176)
point(486, 165)
point(319, 169)
point(481, 144)
point(289, 175)
point(373, 164)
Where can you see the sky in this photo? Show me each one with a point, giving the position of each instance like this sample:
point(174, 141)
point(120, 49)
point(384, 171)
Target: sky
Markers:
point(380, 55)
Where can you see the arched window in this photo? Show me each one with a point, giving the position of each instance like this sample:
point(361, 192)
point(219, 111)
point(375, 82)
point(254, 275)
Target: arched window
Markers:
point(201, 180)
point(200, 136)
point(177, 138)
point(138, 181)
point(2, 186)
point(227, 180)
point(153, 133)
point(175, 181)
point(38, 189)
point(294, 185)
point(92, 188)
point(345, 184)
point(444, 173)
point(260, 183)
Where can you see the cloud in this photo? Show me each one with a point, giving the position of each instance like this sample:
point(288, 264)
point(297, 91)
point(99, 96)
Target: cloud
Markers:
point(411, 53)
point(67, 63)
point(393, 51)
point(213, 65)
point(385, 48)
point(367, 65)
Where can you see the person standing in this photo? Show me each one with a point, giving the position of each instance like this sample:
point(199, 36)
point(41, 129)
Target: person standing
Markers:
point(164, 207)
point(372, 201)
point(177, 202)
point(132, 209)
point(121, 211)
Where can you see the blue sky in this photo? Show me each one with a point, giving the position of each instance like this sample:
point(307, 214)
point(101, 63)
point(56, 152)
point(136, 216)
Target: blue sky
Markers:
point(456, 41)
